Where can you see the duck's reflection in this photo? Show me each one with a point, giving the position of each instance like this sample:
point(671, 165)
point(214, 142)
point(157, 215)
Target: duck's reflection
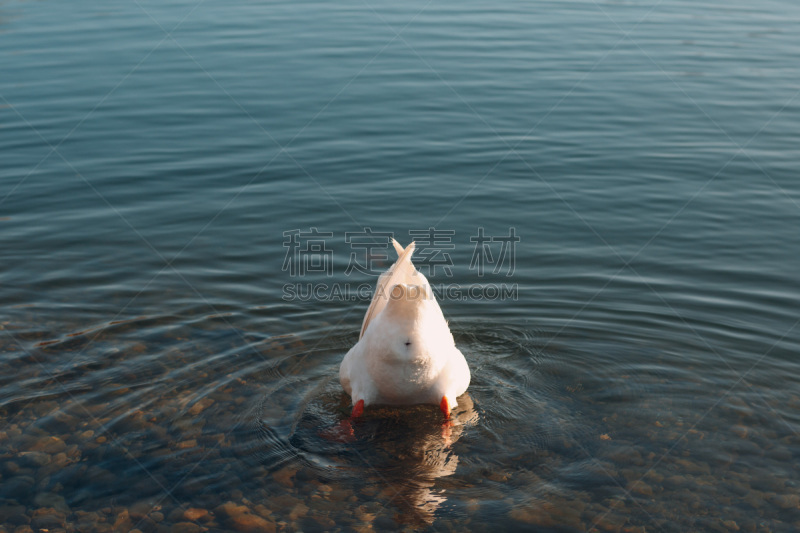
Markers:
point(410, 449)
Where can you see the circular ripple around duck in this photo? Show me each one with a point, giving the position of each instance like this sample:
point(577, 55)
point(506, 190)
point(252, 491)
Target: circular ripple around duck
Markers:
point(304, 416)
point(511, 411)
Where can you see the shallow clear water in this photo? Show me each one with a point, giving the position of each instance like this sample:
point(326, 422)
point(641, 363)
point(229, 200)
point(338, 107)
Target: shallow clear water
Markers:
point(163, 365)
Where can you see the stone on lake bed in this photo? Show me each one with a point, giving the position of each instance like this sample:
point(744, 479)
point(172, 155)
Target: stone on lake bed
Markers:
point(641, 488)
point(263, 511)
point(740, 431)
point(195, 514)
point(298, 511)
point(754, 499)
point(51, 445)
point(625, 455)
point(185, 527)
point(362, 513)
point(765, 481)
point(48, 499)
point(9, 468)
point(142, 508)
point(549, 514)
point(677, 481)
point(284, 476)
point(786, 501)
point(34, 459)
point(780, 454)
point(191, 443)
point(60, 422)
point(240, 518)
point(123, 521)
point(14, 515)
point(692, 467)
point(47, 518)
point(250, 523)
point(19, 485)
point(200, 406)
point(610, 522)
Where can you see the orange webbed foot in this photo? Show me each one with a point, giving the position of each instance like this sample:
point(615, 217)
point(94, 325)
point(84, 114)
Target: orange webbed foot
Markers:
point(447, 426)
point(358, 409)
point(444, 405)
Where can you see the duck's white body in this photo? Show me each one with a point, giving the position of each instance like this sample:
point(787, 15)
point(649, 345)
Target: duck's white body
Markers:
point(405, 353)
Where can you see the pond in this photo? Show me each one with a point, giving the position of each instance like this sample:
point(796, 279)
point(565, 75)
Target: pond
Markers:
point(196, 199)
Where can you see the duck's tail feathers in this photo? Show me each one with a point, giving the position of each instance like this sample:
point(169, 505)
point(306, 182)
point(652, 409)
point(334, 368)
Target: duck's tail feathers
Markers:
point(402, 271)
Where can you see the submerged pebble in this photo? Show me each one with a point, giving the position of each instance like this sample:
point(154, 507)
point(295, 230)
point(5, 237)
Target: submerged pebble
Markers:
point(188, 464)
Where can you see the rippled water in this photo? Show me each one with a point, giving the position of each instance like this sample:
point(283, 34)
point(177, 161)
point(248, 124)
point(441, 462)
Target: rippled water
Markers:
point(163, 367)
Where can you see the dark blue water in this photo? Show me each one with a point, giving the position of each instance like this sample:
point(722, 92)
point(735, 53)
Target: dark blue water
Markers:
point(184, 192)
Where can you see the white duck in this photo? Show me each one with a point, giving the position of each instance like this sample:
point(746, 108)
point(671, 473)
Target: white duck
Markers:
point(405, 353)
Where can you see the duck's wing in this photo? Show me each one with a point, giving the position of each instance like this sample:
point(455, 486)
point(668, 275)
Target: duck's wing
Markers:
point(352, 359)
point(402, 271)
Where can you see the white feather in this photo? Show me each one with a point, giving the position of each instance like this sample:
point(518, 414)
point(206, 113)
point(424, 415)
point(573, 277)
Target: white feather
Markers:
point(405, 353)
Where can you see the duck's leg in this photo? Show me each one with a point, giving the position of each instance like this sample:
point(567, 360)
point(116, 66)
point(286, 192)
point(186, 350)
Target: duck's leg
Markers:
point(346, 425)
point(444, 405)
point(447, 425)
point(358, 409)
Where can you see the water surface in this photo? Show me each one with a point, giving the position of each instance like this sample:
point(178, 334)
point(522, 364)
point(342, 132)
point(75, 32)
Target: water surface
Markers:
point(158, 158)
